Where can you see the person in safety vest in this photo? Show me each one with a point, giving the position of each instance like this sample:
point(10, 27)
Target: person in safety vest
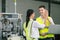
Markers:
point(44, 16)
point(31, 26)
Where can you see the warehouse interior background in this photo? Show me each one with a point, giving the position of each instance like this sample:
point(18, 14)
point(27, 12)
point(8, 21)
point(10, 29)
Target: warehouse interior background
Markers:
point(53, 6)
point(23, 5)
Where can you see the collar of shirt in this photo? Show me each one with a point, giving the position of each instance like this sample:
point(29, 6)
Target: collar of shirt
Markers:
point(42, 18)
point(31, 19)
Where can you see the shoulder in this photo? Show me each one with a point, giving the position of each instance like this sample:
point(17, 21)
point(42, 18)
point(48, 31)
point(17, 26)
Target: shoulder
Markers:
point(38, 18)
point(50, 17)
point(24, 23)
point(35, 22)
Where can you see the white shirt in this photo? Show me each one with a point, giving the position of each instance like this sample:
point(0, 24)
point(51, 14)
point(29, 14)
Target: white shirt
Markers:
point(50, 19)
point(35, 26)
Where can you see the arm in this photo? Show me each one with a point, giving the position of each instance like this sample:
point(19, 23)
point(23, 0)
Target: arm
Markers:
point(51, 21)
point(36, 24)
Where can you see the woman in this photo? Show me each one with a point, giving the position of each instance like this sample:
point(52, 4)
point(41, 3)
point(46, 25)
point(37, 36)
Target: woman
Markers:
point(31, 26)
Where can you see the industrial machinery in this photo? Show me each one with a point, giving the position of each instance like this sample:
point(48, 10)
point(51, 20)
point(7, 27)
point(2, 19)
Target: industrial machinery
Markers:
point(11, 25)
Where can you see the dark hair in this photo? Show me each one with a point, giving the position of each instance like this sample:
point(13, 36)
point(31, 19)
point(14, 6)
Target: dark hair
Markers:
point(29, 13)
point(42, 6)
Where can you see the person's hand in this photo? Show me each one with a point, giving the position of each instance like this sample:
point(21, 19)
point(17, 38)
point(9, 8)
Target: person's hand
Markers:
point(46, 14)
point(43, 34)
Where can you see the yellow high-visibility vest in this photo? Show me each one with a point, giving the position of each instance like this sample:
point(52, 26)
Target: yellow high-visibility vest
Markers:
point(45, 30)
point(27, 30)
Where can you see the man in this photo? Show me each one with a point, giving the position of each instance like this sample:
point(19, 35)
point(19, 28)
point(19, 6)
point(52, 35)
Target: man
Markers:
point(44, 16)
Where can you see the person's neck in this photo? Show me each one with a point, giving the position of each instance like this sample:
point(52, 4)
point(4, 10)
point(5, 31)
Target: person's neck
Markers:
point(41, 16)
point(31, 18)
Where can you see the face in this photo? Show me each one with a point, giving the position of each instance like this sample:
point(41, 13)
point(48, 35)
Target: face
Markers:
point(41, 11)
point(33, 15)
